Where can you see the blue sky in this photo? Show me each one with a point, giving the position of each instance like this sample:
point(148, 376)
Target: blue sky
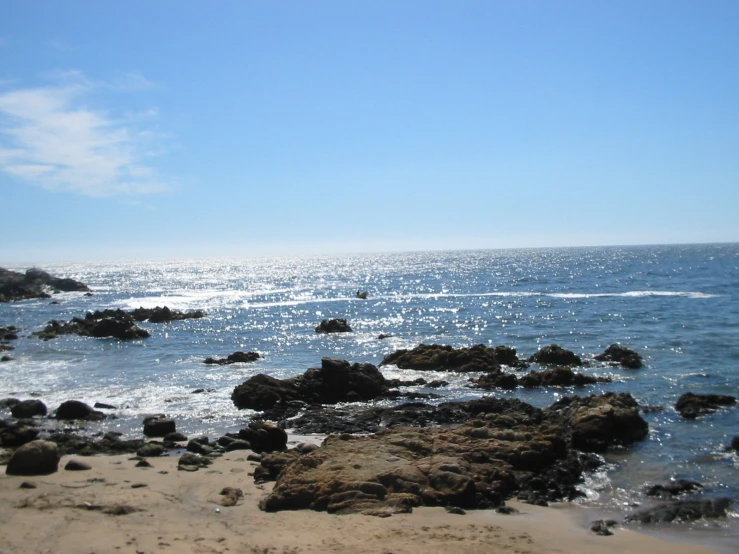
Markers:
point(145, 129)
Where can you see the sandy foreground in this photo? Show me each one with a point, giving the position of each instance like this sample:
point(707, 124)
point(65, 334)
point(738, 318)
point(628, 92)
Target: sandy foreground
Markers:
point(180, 512)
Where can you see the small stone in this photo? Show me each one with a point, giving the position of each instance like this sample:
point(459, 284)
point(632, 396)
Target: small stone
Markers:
point(143, 463)
point(455, 510)
point(27, 485)
point(139, 485)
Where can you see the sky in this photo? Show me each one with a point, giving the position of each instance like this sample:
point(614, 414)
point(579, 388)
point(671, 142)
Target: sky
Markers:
point(177, 128)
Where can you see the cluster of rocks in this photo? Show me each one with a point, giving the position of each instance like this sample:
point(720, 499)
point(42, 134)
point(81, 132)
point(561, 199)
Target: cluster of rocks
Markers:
point(557, 377)
point(34, 283)
point(333, 326)
point(7, 334)
point(118, 324)
point(691, 405)
point(503, 448)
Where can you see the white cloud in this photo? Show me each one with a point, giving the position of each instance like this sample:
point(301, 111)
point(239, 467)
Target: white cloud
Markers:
point(48, 138)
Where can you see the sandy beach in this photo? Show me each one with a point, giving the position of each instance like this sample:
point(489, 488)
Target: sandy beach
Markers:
point(116, 507)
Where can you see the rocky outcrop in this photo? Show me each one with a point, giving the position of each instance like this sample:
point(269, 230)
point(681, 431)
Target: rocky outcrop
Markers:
point(163, 315)
point(235, 358)
point(557, 377)
point(38, 457)
point(621, 355)
point(683, 510)
point(34, 283)
point(76, 410)
point(555, 355)
point(335, 381)
point(333, 326)
point(691, 405)
point(445, 358)
point(597, 422)
point(101, 324)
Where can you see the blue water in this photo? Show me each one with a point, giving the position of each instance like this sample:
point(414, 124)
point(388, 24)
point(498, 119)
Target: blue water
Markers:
point(676, 305)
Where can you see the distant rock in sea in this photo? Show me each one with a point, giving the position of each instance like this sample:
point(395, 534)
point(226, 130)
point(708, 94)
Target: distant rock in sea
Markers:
point(34, 283)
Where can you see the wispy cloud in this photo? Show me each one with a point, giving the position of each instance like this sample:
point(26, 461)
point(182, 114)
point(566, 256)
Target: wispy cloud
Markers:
point(50, 139)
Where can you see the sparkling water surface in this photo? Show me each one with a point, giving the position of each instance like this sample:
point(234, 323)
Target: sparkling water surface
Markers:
point(676, 305)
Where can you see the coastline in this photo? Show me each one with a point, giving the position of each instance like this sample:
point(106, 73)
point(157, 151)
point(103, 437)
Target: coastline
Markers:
point(179, 511)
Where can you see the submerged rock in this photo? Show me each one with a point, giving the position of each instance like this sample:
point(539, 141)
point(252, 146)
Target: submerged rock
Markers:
point(236, 357)
point(683, 510)
point(673, 488)
point(691, 405)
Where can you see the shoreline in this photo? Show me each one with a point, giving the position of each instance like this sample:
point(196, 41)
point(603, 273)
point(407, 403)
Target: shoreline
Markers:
point(179, 511)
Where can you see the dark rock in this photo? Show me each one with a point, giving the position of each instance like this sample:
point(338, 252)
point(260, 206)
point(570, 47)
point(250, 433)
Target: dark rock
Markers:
point(735, 443)
point(673, 488)
point(14, 435)
point(506, 510)
point(100, 324)
point(103, 406)
point(262, 392)
point(555, 355)
point(231, 496)
point(621, 355)
point(8, 332)
point(77, 465)
point(28, 408)
point(74, 409)
point(38, 457)
point(236, 357)
point(27, 485)
point(238, 444)
point(159, 427)
point(18, 286)
point(143, 463)
point(175, 437)
point(597, 422)
point(163, 315)
point(383, 336)
point(333, 326)
point(6, 358)
point(263, 437)
point(683, 510)
point(8, 402)
point(445, 358)
point(192, 462)
point(199, 448)
point(691, 405)
point(151, 450)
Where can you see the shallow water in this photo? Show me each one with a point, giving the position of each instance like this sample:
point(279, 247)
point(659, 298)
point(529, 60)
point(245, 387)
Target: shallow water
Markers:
point(676, 305)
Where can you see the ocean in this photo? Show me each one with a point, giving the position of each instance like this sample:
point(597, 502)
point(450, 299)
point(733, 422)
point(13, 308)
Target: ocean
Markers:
point(678, 306)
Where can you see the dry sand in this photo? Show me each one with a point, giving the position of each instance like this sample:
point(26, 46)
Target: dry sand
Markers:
point(179, 512)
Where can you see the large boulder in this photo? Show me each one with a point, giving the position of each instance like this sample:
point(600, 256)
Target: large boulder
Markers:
point(159, 426)
point(691, 405)
point(37, 457)
point(555, 355)
point(446, 358)
point(621, 355)
point(28, 408)
point(74, 409)
point(597, 422)
point(262, 392)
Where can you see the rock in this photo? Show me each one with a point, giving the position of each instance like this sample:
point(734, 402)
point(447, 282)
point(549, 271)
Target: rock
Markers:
point(74, 409)
point(151, 450)
point(16, 286)
point(143, 463)
point(159, 427)
point(506, 510)
point(100, 324)
point(102, 406)
point(621, 355)
point(14, 435)
point(8, 332)
point(236, 357)
point(691, 405)
point(597, 422)
point(445, 358)
point(163, 315)
point(335, 381)
point(28, 409)
point(262, 437)
point(8, 402)
point(557, 377)
point(6, 358)
point(476, 465)
point(555, 355)
point(735, 443)
point(683, 510)
point(238, 444)
point(76, 465)
point(333, 326)
point(28, 485)
point(231, 496)
point(38, 457)
point(673, 488)
point(175, 437)
point(192, 462)
point(602, 527)
point(199, 448)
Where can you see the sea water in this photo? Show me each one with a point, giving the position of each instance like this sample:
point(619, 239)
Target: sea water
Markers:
point(678, 306)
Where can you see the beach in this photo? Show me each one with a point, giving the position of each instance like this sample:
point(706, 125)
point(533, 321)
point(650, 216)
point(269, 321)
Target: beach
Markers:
point(117, 507)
